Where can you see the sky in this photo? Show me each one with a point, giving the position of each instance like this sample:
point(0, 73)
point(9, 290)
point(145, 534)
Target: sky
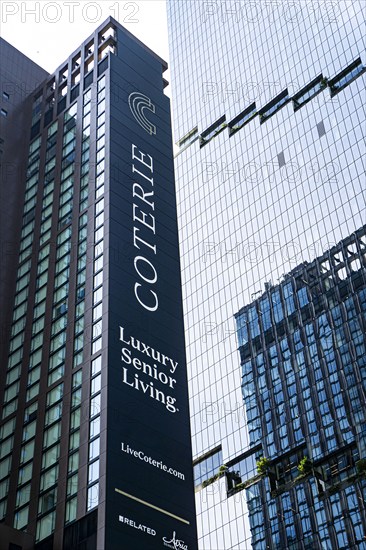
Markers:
point(49, 31)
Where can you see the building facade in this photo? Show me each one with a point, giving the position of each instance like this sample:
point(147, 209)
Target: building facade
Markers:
point(18, 78)
point(95, 439)
point(269, 121)
point(303, 355)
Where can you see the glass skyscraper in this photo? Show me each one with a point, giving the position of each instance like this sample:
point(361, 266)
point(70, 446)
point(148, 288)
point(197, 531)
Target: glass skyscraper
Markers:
point(269, 121)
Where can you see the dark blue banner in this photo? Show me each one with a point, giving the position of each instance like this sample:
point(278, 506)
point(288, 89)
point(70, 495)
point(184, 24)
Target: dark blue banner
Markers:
point(150, 499)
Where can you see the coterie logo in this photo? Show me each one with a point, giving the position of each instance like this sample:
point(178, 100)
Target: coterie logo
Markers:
point(138, 103)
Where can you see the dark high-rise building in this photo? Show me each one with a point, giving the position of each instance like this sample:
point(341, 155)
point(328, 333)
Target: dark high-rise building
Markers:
point(95, 440)
point(303, 356)
point(269, 121)
point(18, 78)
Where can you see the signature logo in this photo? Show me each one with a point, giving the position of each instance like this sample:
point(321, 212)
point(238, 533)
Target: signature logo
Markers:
point(138, 102)
point(175, 543)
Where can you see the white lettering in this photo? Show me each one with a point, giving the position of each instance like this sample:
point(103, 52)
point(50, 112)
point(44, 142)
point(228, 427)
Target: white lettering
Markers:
point(141, 158)
point(140, 526)
point(142, 194)
point(144, 277)
point(126, 356)
point(153, 307)
point(136, 238)
point(134, 169)
point(143, 218)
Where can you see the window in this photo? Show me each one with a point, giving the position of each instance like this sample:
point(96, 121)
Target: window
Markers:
point(13, 375)
point(76, 61)
point(107, 48)
point(281, 159)
point(94, 449)
point(74, 441)
point(51, 456)
point(97, 346)
point(51, 435)
point(56, 374)
point(88, 66)
point(53, 414)
point(47, 501)
point(75, 419)
point(73, 462)
point(5, 467)
point(93, 496)
point(311, 90)
point(339, 82)
point(21, 518)
point(321, 128)
point(34, 375)
point(52, 130)
point(242, 119)
point(6, 447)
point(6, 96)
point(29, 431)
point(72, 485)
point(4, 113)
point(274, 106)
point(23, 495)
point(265, 311)
point(93, 472)
point(287, 468)
point(288, 295)
point(49, 478)
point(59, 340)
point(45, 526)
point(4, 488)
point(7, 428)
point(76, 398)
point(27, 452)
point(207, 467)
point(108, 32)
point(241, 470)
point(30, 413)
point(213, 131)
point(253, 322)
point(55, 395)
point(96, 384)
point(71, 509)
point(188, 138)
point(89, 48)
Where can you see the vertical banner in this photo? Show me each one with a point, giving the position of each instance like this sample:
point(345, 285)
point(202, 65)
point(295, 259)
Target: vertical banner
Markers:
point(150, 498)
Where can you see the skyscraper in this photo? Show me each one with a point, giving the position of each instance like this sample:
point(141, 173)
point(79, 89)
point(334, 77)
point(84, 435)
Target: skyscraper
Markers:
point(95, 440)
point(269, 120)
point(19, 76)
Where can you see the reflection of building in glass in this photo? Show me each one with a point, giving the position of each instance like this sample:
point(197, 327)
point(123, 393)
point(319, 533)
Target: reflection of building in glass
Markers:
point(269, 121)
point(303, 355)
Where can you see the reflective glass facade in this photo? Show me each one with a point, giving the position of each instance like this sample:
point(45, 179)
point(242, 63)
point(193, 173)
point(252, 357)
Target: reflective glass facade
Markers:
point(269, 121)
point(303, 356)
